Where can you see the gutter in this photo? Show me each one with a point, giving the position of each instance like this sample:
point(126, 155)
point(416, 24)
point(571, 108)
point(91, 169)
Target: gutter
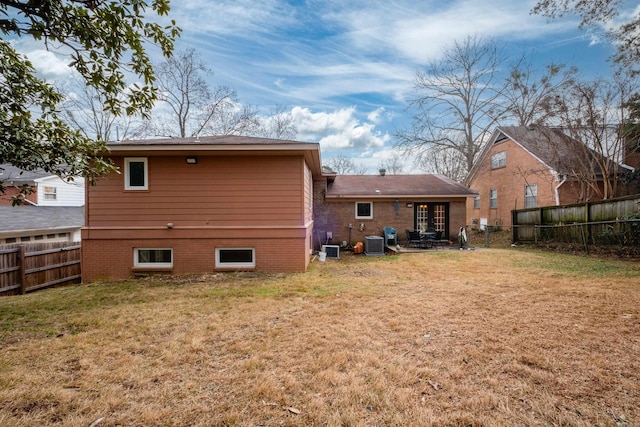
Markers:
point(557, 193)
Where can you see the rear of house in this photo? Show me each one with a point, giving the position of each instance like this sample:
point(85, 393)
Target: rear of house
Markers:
point(195, 205)
point(352, 207)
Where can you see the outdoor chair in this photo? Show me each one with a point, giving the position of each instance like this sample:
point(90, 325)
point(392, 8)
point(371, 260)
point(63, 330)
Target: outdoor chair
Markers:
point(438, 241)
point(413, 239)
point(390, 236)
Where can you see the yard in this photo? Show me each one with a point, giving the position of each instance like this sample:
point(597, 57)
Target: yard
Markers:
point(492, 337)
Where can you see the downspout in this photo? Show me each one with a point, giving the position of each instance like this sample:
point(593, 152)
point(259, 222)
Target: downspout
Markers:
point(557, 192)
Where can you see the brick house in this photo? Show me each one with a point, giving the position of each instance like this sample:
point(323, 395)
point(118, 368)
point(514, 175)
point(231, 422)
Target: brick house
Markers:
point(352, 207)
point(47, 189)
point(190, 205)
point(526, 167)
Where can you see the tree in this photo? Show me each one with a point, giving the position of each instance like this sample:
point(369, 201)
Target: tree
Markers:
point(106, 41)
point(530, 93)
point(279, 124)
point(594, 113)
point(457, 101)
point(345, 166)
point(393, 165)
point(606, 13)
point(84, 109)
point(195, 109)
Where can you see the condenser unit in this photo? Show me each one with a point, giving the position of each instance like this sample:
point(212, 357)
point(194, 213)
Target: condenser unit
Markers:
point(332, 251)
point(373, 246)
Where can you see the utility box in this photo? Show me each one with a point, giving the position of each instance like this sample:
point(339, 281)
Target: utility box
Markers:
point(373, 246)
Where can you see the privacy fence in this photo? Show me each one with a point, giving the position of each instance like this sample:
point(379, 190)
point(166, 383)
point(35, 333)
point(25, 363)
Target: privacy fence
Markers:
point(607, 222)
point(29, 267)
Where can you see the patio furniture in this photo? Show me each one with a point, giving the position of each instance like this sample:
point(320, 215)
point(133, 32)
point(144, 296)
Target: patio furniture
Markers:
point(414, 240)
point(390, 236)
point(438, 241)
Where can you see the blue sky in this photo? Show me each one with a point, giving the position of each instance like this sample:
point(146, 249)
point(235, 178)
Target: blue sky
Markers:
point(345, 69)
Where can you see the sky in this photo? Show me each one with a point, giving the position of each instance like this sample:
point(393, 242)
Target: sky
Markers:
point(345, 69)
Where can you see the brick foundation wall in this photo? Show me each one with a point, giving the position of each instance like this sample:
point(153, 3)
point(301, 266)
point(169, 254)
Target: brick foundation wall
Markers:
point(105, 259)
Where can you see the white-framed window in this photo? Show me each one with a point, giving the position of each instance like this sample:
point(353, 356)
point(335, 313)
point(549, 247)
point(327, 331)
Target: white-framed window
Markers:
point(493, 198)
point(136, 173)
point(364, 210)
point(476, 202)
point(235, 257)
point(499, 160)
point(50, 193)
point(153, 257)
point(531, 196)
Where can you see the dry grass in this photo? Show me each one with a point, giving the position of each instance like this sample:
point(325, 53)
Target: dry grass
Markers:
point(451, 338)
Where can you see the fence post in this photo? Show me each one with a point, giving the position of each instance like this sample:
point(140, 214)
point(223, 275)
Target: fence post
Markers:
point(22, 263)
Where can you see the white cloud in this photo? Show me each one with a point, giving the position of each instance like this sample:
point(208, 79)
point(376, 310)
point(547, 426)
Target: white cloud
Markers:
point(337, 130)
point(48, 64)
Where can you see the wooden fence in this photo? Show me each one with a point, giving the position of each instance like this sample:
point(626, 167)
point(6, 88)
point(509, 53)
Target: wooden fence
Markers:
point(29, 267)
point(613, 221)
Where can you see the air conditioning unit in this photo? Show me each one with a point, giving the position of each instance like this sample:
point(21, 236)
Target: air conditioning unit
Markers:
point(332, 251)
point(373, 246)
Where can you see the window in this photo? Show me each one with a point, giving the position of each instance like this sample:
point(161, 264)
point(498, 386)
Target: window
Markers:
point(50, 193)
point(499, 160)
point(493, 198)
point(476, 202)
point(364, 210)
point(135, 173)
point(236, 257)
point(531, 196)
point(153, 257)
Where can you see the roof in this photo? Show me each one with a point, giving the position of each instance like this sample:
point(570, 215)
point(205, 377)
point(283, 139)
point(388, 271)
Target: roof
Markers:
point(220, 145)
point(27, 217)
point(388, 186)
point(552, 147)
point(17, 175)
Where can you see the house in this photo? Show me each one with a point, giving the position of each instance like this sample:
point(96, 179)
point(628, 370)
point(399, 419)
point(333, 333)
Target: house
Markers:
point(48, 189)
point(526, 167)
point(40, 224)
point(351, 207)
point(191, 205)
point(186, 205)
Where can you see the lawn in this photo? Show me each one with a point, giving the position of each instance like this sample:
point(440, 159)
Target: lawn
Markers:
point(492, 337)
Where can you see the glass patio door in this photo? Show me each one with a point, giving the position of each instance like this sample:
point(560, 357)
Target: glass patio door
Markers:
point(432, 216)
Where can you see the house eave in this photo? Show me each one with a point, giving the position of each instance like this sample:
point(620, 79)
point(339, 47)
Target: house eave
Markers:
point(400, 196)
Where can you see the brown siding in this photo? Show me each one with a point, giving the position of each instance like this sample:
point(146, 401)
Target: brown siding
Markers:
point(246, 191)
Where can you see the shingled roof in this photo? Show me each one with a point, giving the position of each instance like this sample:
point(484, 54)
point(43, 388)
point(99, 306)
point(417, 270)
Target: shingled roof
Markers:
point(392, 186)
point(25, 218)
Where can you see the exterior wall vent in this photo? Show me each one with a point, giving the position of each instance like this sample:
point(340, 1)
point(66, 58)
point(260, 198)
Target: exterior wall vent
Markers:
point(332, 251)
point(374, 246)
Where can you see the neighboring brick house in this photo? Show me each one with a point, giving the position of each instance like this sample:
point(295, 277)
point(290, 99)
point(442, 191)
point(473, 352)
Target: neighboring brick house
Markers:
point(187, 205)
point(352, 207)
point(47, 189)
point(525, 167)
point(52, 212)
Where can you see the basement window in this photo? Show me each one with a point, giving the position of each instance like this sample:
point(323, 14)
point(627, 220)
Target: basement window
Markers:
point(153, 257)
point(235, 258)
